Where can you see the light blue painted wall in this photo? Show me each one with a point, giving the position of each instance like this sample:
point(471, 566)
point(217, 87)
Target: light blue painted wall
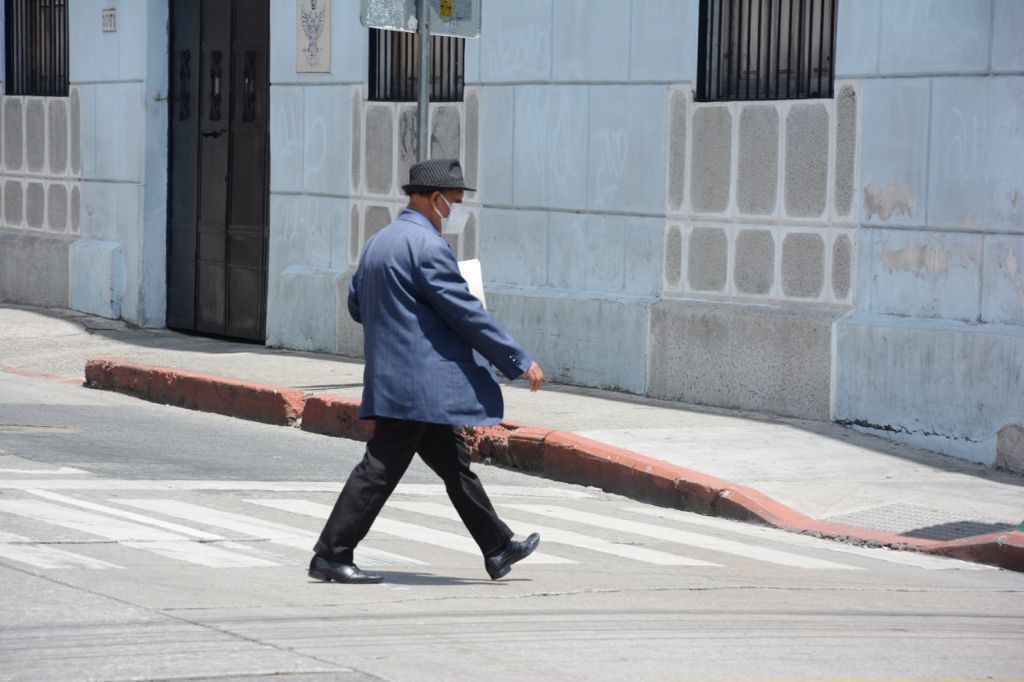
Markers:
point(933, 349)
point(122, 80)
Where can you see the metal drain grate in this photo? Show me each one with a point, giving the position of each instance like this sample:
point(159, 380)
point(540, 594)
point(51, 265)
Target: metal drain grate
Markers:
point(921, 522)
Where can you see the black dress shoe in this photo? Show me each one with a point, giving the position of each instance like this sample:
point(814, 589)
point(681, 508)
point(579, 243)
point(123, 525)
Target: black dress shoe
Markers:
point(500, 564)
point(323, 569)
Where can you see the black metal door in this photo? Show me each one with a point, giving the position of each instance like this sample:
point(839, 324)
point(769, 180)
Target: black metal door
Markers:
point(219, 166)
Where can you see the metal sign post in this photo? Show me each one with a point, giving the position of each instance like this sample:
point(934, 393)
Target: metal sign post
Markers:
point(423, 30)
point(459, 18)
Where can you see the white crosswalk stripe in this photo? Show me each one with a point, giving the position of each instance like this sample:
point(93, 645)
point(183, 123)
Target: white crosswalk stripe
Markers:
point(16, 548)
point(683, 537)
point(401, 529)
point(564, 537)
point(879, 553)
point(275, 533)
point(130, 534)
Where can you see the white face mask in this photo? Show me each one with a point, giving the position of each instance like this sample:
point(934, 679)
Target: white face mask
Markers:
point(457, 218)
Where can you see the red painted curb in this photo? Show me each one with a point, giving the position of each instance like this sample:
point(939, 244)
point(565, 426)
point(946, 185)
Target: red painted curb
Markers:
point(553, 454)
point(334, 415)
point(257, 402)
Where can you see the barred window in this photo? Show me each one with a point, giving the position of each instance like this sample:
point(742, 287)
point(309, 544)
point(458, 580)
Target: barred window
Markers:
point(394, 67)
point(36, 33)
point(766, 49)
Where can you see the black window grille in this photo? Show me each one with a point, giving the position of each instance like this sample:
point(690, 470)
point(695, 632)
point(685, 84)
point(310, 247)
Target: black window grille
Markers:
point(394, 67)
point(766, 49)
point(36, 33)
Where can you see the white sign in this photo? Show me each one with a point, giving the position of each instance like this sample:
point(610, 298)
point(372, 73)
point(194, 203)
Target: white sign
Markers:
point(471, 272)
point(110, 20)
point(459, 18)
point(313, 41)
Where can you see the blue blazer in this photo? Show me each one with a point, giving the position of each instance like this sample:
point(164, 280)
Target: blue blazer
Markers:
point(429, 343)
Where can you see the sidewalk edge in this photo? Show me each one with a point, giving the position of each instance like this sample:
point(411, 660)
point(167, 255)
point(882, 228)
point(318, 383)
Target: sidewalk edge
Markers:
point(558, 455)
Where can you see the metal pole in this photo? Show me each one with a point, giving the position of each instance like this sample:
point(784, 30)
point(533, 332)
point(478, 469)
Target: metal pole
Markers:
point(423, 29)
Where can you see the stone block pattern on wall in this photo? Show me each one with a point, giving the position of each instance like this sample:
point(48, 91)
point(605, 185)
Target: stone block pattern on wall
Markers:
point(41, 167)
point(769, 212)
point(386, 142)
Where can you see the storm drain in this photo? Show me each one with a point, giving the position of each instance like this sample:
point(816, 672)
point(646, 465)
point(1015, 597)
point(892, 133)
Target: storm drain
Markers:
point(921, 522)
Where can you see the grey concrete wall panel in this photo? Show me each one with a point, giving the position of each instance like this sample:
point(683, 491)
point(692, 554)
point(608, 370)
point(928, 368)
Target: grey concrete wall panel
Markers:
point(57, 208)
point(445, 132)
point(354, 242)
point(807, 135)
point(58, 135)
point(925, 274)
point(1002, 286)
point(657, 29)
point(14, 131)
point(97, 277)
point(497, 143)
point(13, 203)
point(677, 150)
point(894, 157)
point(76, 209)
point(944, 386)
point(34, 269)
point(758, 171)
point(707, 259)
point(308, 318)
point(376, 219)
point(287, 117)
point(1010, 448)
point(1007, 28)
point(471, 71)
point(512, 246)
point(842, 266)
point(76, 132)
point(920, 37)
point(453, 242)
point(326, 129)
point(35, 135)
point(357, 140)
point(470, 163)
point(408, 141)
point(742, 357)
point(380, 132)
point(348, 333)
point(515, 42)
point(673, 255)
point(469, 238)
point(754, 268)
point(627, 148)
point(592, 40)
point(803, 265)
point(711, 170)
point(573, 338)
point(977, 153)
point(857, 38)
point(846, 148)
point(35, 205)
point(550, 151)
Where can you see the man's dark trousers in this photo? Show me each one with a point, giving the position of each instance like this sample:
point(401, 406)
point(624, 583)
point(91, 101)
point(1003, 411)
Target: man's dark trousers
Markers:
point(388, 454)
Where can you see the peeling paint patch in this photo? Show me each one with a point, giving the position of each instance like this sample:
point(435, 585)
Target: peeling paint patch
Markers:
point(885, 203)
point(916, 258)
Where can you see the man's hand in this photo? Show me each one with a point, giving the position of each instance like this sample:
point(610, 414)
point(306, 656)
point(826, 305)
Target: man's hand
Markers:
point(534, 375)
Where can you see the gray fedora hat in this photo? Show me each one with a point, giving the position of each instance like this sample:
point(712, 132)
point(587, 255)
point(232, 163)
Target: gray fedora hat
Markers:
point(436, 174)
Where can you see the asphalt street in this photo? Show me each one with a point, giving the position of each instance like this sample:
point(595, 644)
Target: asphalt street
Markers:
point(139, 541)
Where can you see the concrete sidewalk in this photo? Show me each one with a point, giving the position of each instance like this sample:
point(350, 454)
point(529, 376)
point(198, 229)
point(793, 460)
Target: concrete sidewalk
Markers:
point(819, 470)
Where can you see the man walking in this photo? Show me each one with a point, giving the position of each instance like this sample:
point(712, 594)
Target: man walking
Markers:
point(427, 342)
